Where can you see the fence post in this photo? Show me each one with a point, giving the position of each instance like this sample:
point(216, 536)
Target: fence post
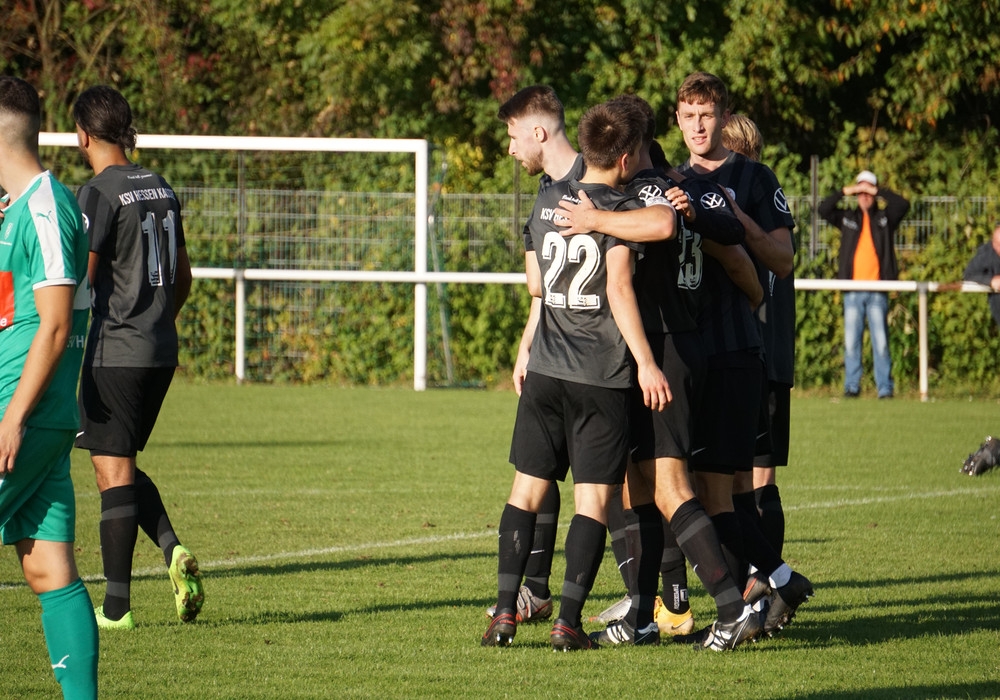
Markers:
point(922, 333)
point(241, 326)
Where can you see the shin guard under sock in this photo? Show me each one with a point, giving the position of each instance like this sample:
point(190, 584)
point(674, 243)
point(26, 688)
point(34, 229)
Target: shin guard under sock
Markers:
point(71, 637)
point(673, 570)
point(517, 532)
point(584, 551)
point(772, 515)
point(647, 551)
point(539, 566)
point(119, 529)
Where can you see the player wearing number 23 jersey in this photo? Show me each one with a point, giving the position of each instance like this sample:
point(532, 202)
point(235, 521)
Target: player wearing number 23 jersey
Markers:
point(133, 305)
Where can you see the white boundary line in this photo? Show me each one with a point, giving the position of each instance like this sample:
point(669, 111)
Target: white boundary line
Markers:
point(340, 549)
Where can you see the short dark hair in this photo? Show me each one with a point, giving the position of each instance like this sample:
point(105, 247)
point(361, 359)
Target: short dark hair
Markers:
point(647, 111)
point(704, 88)
point(102, 112)
point(20, 99)
point(536, 99)
point(609, 130)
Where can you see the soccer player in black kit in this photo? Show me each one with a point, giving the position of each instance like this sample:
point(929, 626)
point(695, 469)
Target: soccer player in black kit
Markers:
point(536, 127)
point(667, 280)
point(574, 403)
point(733, 416)
point(140, 275)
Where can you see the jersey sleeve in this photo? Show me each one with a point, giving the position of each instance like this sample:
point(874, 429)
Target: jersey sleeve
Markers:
point(98, 216)
point(714, 218)
point(770, 204)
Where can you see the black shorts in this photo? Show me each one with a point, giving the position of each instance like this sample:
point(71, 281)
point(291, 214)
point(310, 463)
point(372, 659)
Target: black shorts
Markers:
point(119, 406)
point(778, 408)
point(670, 433)
point(561, 423)
point(726, 428)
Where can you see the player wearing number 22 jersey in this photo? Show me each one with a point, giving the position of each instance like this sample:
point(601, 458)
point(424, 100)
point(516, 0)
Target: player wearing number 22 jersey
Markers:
point(577, 338)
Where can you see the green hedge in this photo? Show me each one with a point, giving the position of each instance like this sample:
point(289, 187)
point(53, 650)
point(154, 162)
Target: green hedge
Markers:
point(355, 333)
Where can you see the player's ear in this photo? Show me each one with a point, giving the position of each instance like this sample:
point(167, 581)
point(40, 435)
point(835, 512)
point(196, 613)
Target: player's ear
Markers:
point(82, 137)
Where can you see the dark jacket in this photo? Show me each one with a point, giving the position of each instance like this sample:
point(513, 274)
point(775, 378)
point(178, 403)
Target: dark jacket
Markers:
point(983, 267)
point(883, 223)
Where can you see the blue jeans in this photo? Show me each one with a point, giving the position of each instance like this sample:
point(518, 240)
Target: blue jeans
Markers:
point(857, 307)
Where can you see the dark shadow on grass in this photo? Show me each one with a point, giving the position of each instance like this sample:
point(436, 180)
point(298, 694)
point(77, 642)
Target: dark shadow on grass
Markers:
point(255, 446)
point(282, 568)
point(985, 689)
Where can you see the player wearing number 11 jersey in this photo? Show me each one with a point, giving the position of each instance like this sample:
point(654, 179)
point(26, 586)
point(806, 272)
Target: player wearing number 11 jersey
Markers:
point(140, 275)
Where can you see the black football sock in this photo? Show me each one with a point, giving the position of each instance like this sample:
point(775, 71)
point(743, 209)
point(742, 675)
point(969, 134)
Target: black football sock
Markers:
point(539, 567)
point(119, 529)
point(517, 532)
point(697, 535)
point(153, 516)
point(646, 549)
point(584, 551)
point(757, 550)
point(727, 529)
point(772, 515)
point(618, 524)
point(673, 570)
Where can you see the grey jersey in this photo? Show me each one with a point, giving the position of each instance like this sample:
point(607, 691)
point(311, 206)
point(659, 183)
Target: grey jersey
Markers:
point(133, 222)
point(577, 338)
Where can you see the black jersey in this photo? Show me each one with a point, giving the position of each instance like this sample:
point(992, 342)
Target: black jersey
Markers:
point(545, 181)
point(577, 338)
point(757, 192)
point(726, 322)
point(668, 276)
point(134, 225)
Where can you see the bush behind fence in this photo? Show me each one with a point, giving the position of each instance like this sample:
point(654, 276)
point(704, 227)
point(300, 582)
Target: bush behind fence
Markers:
point(362, 333)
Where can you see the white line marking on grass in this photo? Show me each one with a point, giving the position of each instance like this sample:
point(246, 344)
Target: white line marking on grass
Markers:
point(841, 503)
point(341, 549)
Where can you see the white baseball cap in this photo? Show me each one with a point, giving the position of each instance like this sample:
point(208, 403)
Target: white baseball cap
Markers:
point(867, 176)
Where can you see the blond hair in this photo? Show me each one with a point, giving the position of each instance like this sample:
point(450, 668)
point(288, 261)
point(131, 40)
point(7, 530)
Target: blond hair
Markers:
point(740, 134)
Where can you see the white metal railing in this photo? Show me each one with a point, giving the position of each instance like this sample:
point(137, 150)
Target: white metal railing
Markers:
point(423, 278)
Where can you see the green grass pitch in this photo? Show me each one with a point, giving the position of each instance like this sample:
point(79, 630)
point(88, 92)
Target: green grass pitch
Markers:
point(348, 540)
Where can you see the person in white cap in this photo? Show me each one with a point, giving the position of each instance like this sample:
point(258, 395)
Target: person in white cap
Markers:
point(867, 253)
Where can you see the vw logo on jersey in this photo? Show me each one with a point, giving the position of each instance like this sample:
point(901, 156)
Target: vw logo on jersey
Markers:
point(86, 223)
point(713, 200)
point(649, 192)
point(780, 201)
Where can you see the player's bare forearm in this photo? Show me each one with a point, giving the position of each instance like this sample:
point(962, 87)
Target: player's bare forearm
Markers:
point(524, 347)
point(183, 280)
point(625, 310)
point(644, 225)
point(773, 249)
point(739, 267)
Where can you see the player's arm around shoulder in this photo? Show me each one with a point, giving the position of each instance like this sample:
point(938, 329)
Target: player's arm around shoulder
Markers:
point(643, 224)
point(625, 309)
